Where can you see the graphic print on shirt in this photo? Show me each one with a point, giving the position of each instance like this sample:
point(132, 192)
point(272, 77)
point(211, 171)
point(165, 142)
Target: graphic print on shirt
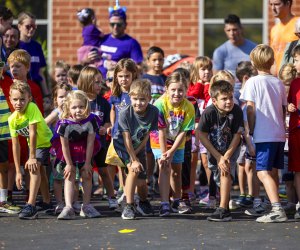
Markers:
point(23, 129)
point(175, 123)
point(139, 135)
point(121, 105)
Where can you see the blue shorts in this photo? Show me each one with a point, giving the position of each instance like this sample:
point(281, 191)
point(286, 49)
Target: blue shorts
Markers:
point(269, 155)
point(177, 158)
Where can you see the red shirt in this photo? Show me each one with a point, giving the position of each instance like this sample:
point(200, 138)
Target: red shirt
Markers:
point(294, 97)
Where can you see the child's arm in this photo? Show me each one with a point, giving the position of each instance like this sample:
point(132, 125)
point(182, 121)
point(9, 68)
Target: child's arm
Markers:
point(16, 156)
point(67, 155)
point(52, 117)
point(89, 153)
point(248, 140)
point(197, 136)
point(103, 129)
point(32, 163)
point(112, 118)
point(222, 162)
point(135, 165)
point(251, 116)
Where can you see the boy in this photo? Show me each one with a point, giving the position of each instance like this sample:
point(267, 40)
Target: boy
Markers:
point(220, 126)
point(73, 75)
point(28, 121)
point(135, 123)
point(155, 61)
point(266, 102)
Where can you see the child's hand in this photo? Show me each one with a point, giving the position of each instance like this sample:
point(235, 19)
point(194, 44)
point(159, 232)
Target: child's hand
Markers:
point(102, 130)
point(19, 180)
point(68, 171)
point(31, 165)
point(168, 156)
point(108, 131)
point(136, 167)
point(224, 164)
point(291, 107)
point(251, 150)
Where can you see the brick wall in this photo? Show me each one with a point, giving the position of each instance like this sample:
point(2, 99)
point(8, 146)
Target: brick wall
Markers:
point(170, 24)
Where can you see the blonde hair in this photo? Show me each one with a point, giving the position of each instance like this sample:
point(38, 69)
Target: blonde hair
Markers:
point(61, 64)
point(262, 57)
point(222, 75)
point(64, 86)
point(24, 15)
point(76, 95)
point(200, 62)
point(21, 86)
point(20, 56)
point(140, 87)
point(177, 77)
point(123, 64)
point(86, 79)
point(287, 73)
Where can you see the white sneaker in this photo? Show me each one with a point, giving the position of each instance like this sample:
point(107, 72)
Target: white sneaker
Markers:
point(277, 214)
point(122, 197)
point(88, 211)
point(66, 214)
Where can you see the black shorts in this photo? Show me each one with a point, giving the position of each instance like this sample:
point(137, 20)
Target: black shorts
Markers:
point(3, 151)
point(100, 157)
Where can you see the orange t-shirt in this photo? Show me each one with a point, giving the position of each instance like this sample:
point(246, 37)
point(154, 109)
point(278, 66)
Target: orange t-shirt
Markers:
point(281, 34)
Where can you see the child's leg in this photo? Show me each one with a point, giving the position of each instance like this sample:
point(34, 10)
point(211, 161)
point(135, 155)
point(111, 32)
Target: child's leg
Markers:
point(225, 187)
point(87, 186)
point(194, 163)
point(297, 184)
point(270, 185)
point(57, 185)
point(69, 189)
point(107, 182)
point(204, 161)
point(44, 187)
point(142, 189)
point(131, 183)
point(249, 174)
point(164, 181)
point(35, 182)
point(3, 181)
point(242, 177)
point(11, 180)
point(175, 179)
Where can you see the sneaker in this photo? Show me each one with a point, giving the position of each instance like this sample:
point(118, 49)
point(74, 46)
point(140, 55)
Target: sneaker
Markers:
point(6, 207)
point(297, 214)
point(112, 203)
point(88, 211)
point(241, 198)
point(221, 215)
point(277, 214)
point(28, 212)
point(203, 202)
point(59, 208)
point(180, 207)
point(233, 205)
point(256, 211)
point(66, 214)
point(44, 207)
point(128, 212)
point(76, 207)
point(164, 210)
point(289, 208)
point(121, 198)
point(145, 208)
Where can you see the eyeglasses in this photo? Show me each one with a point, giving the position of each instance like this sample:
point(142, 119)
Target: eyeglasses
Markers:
point(109, 79)
point(30, 26)
point(119, 25)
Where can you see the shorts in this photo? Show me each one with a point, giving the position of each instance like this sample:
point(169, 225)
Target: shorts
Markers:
point(43, 156)
point(3, 151)
point(58, 171)
point(269, 155)
point(100, 157)
point(286, 175)
point(202, 149)
point(148, 147)
point(112, 157)
point(242, 159)
point(177, 158)
point(216, 171)
point(142, 158)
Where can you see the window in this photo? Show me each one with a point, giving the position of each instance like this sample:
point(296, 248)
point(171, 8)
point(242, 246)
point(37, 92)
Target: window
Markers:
point(253, 14)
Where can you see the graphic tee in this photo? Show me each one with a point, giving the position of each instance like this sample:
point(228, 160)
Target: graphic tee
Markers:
point(157, 85)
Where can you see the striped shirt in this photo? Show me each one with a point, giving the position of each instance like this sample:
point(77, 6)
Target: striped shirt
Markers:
point(4, 114)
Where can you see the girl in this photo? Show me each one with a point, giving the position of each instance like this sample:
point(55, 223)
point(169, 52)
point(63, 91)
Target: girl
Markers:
point(77, 131)
point(125, 72)
point(201, 74)
point(61, 69)
point(176, 117)
point(27, 27)
point(89, 81)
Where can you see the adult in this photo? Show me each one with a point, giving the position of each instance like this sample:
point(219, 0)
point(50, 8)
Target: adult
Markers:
point(234, 50)
point(27, 27)
point(283, 32)
point(287, 55)
point(118, 45)
point(11, 40)
point(6, 19)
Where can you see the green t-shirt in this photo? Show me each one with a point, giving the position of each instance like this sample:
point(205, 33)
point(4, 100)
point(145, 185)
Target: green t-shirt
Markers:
point(19, 125)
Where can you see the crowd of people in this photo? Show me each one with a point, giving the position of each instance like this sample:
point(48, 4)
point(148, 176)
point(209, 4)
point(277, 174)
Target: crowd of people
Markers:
point(137, 127)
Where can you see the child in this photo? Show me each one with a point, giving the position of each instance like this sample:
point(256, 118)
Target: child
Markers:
point(77, 131)
point(135, 123)
point(294, 128)
point(28, 121)
point(73, 75)
point(155, 61)
point(90, 81)
point(220, 126)
point(264, 113)
point(59, 96)
point(125, 72)
point(61, 71)
point(176, 117)
point(91, 35)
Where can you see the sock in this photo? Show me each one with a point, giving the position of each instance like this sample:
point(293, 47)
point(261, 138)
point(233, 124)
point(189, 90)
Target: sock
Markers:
point(3, 195)
point(165, 203)
point(276, 204)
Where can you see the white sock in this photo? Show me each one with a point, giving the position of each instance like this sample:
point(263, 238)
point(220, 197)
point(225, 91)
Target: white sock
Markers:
point(3, 195)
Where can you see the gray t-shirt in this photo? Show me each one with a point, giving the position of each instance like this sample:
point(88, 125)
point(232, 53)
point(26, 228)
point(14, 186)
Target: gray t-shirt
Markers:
point(138, 127)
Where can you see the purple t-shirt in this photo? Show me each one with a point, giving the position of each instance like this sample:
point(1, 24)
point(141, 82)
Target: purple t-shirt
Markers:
point(119, 48)
point(37, 58)
point(91, 35)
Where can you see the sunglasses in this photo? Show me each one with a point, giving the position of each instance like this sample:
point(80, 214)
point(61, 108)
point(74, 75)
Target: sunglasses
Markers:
point(32, 26)
point(109, 79)
point(119, 25)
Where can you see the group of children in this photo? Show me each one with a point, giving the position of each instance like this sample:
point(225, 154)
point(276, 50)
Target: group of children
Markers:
point(151, 119)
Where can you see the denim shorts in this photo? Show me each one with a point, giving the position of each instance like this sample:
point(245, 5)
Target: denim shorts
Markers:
point(269, 155)
point(177, 158)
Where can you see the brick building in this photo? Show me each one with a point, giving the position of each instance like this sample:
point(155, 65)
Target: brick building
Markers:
point(175, 25)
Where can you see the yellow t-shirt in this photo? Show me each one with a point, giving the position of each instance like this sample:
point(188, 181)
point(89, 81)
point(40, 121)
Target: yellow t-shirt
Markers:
point(19, 125)
point(281, 34)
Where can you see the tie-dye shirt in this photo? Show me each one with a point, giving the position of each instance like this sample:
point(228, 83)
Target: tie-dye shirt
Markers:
point(174, 119)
